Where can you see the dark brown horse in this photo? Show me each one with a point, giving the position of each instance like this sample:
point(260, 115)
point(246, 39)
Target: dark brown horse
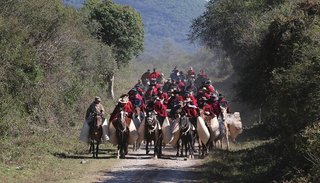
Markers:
point(95, 133)
point(152, 132)
point(186, 136)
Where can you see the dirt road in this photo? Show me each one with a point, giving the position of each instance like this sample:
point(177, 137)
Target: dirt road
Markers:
point(139, 167)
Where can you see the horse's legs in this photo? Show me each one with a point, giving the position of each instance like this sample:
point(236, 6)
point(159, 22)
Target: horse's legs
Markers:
point(97, 149)
point(160, 143)
point(227, 135)
point(178, 147)
point(92, 145)
point(147, 146)
point(186, 145)
point(126, 144)
point(118, 151)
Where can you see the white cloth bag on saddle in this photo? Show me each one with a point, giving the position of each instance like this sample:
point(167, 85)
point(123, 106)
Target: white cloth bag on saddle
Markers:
point(141, 131)
point(84, 134)
point(176, 132)
point(202, 130)
point(166, 131)
point(214, 128)
point(112, 135)
point(105, 131)
point(133, 133)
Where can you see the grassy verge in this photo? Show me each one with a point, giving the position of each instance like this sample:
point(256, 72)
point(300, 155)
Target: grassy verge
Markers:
point(51, 157)
point(247, 161)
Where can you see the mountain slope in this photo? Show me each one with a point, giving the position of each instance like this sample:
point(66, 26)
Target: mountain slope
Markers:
point(164, 21)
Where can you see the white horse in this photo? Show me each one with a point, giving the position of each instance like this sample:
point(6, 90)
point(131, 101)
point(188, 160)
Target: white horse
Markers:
point(229, 124)
point(233, 124)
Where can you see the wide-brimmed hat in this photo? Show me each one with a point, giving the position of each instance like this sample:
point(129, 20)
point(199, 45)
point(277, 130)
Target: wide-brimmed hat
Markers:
point(188, 100)
point(124, 99)
point(97, 98)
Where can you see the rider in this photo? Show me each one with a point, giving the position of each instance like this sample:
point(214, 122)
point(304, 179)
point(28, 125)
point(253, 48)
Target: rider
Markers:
point(95, 107)
point(163, 96)
point(209, 86)
point(175, 99)
point(191, 111)
point(223, 103)
point(191, 73)
point(145, 77)
point(155, 75)
point(161, 110)
point(123, 105)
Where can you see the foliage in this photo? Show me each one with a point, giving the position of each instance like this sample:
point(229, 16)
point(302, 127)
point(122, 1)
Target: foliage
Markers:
point(50, 63)
point(117, 26)
point(274, 47)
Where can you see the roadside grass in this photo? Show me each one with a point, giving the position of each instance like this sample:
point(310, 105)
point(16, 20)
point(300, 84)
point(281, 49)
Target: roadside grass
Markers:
point(52, 157)
point(249, 160)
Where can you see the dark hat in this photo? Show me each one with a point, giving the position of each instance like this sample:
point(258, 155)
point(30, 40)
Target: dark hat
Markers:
point(154, 96)
point(176, 92)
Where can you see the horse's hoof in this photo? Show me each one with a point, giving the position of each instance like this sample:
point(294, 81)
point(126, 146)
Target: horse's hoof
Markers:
point(177, 154)
point(155, 157)
point(147, 152)
point(190, 156)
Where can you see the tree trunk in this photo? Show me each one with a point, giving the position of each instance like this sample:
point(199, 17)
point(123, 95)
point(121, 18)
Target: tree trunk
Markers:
point(110, 81)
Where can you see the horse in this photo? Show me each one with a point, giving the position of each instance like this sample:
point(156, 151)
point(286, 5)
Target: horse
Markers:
point(138, 116)
point(228, 124)
point(218, 131)
point(95, 133)
point(186, 136)
point(152, 132)
point(122, 133)
point(232, 122)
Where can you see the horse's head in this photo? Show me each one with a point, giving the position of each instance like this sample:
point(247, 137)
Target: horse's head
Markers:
point(97, 119)
point(223, 108)
point(184, 123)
point(151, 120)
point(121, 121)
point(137, 111)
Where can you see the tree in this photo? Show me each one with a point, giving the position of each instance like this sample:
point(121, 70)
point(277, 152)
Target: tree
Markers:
point(118, 26)
point(273, 47)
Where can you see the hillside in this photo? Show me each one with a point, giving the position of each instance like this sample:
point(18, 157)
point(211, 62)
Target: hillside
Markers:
point(164, 21)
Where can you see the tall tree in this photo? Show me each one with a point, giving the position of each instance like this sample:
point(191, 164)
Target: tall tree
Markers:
point(118, 26)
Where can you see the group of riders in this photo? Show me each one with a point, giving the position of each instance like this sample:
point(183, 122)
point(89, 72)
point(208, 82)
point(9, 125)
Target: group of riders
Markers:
point(182, 94)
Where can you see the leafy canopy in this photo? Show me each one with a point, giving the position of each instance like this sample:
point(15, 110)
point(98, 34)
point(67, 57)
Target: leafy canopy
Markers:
point(118, 26)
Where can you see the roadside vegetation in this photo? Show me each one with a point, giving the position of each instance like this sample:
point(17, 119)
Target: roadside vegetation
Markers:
point(52, 65)
point(274, 49)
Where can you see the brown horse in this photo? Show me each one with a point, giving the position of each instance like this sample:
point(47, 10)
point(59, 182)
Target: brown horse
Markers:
point(122, 133)
point(138, 116)
point(95, 133)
